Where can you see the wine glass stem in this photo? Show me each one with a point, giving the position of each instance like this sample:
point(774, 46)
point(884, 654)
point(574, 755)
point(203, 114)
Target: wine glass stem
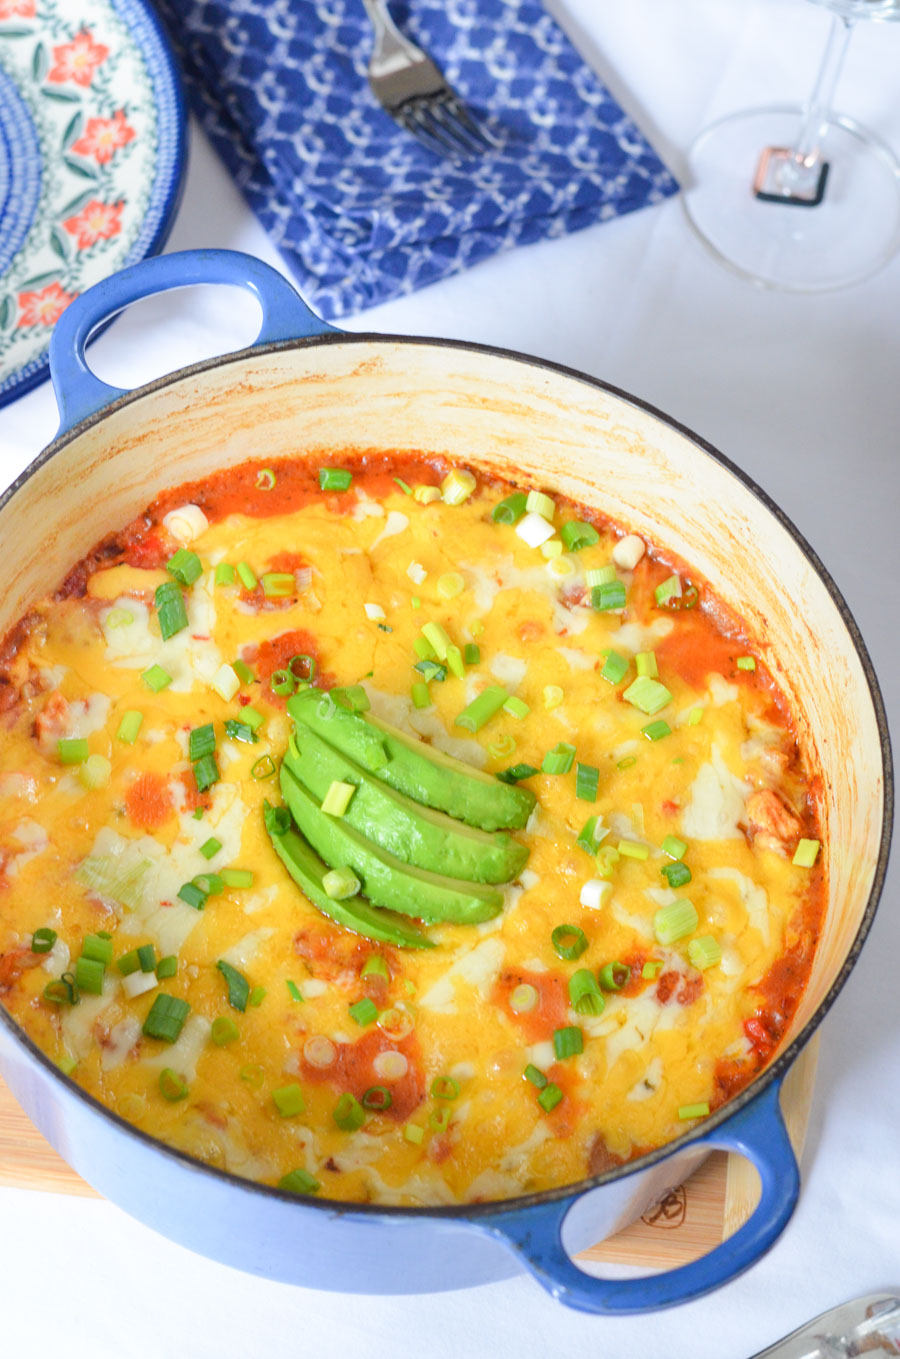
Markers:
point(818, 108)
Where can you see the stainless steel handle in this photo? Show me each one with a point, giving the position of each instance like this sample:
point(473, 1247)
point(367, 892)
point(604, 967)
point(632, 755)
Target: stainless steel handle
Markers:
point(392, 52)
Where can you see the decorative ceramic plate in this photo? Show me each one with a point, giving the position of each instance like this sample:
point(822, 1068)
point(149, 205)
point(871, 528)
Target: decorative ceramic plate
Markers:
point(92, 156)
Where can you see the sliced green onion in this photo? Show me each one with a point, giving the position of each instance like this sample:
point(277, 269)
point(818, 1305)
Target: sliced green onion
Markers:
point(236, 877)
point(43, 940)
point(538, 503)
point(238, 986)
point(647, 694)
point(558, 760)
point(377, 1097)
point(523, 998)
point(627, 762)
point(193, 895)
point(278, 584)
point(375, 966)
point(677, 874)
point(652, 968)
point(420, 695)
point(171, 613)
point(584, 994)
point(806, 853)
point(172, 1086)
point(243, 671)
point(549, 1097)
point(694, 1111)
point(568, 1042)
point(613, 976)
point(257, 996)
point(338, 798)
point(587, 782)
point(673, 847)
point(289, 1100)
point(746, 663)
point(300, 1181)
point(423, 649)
point(450, 584)
point(253, 1075)
point(437, 639)
point(431, 670)
point(553, 696)
point(348, 1113)
point(704, 951)
point(645, 662)
point(695, 717)
point(96, 947)
point(606, 859)
point(334, 479)
point(282, 682)
point(225, 574)
point(364, 1011)
point(577, 535)
point(406, 489)
point(444, 1087)
point(455, 662)
point(457, 486)
point(129, 963)
point(156, 678)
point(472, 653)
point(146, 956)
point(95, 772)
point(247, 576)
point(655, 731)
point(516, 772)
point(412, 1132)
point(264, 768)
point(252, 717)
point(72, 751)
point(119, 618)
point(592, 833)
point(568, 942)
point(516, 708)
point(265, 480)
point(600, 575)
point(202, 741)
point(504, 745)
point(610, 596)
point(166, 1018)
point(673, 922)
point(668, 589)
point(240, 731)
point(482, 709)
point(294, 991)
point(224, 1030)
point(633, 849)
point(166, 967)
point(185, 566)
point(62, 991)
point(206, 773)
point(510, 510)
point(426, 495)
point(130, 726)
point(89, 975)
point(341, 883)
point(535, 1076)
point(615, 668)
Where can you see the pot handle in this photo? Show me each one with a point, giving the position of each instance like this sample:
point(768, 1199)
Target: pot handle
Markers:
point(757, 1132)
point(79, 393)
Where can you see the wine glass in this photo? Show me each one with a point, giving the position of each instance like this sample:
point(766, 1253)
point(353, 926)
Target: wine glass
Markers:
point(799, 197)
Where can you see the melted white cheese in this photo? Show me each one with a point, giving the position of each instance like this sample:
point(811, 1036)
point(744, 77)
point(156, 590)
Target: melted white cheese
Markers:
point(395, 524)
point(716, 802)
point(753, 899)
point(479, 968)
point(188, 656)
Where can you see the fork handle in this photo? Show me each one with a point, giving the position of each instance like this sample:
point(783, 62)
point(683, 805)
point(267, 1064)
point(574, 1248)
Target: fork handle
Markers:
point(391, 49)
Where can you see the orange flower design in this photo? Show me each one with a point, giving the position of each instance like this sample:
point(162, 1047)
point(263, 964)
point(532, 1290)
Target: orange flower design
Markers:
point(22, 9)
point(96, 222)
point(103, 136)
point(45, 307)
point(77, 60)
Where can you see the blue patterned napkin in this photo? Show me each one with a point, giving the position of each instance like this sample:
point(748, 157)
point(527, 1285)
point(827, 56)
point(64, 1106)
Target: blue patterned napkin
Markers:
point(358, 209)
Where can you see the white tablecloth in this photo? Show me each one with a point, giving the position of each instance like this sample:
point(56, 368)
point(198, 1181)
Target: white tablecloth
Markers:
point(802, 392)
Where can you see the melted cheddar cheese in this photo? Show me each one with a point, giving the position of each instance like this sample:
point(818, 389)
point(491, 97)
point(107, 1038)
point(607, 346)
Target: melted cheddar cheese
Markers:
point(726, 779)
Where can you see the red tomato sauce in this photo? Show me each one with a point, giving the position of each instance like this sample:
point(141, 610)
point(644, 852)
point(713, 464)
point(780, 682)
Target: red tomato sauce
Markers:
point(550, 1013)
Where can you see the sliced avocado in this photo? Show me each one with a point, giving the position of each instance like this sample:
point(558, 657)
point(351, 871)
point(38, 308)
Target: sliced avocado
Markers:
point(413, 767)
point(307, 870)
point(387, 881)
point(418, 835)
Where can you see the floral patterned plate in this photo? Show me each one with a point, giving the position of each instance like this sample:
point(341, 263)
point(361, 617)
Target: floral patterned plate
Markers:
point(92, 157)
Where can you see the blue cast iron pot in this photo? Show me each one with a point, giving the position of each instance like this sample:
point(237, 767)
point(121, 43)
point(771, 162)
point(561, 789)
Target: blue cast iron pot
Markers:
point(302, 389)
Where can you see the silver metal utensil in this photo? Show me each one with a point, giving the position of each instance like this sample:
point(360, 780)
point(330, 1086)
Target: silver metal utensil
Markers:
point(867, 1326)
point(409, 87)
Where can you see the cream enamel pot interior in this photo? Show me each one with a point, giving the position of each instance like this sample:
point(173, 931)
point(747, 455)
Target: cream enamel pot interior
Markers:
point(316, 395)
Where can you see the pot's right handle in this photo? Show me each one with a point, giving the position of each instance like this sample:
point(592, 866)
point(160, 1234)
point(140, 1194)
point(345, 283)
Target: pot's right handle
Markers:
point(79, 393)
point(757, 1132)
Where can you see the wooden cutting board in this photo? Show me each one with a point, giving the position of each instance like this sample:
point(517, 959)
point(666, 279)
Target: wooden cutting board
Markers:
point(688, 1222)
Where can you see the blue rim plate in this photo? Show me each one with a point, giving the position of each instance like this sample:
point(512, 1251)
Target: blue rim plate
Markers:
point(93, 140)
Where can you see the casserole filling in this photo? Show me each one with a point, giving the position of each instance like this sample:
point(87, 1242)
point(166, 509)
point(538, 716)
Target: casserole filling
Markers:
point(394, 835)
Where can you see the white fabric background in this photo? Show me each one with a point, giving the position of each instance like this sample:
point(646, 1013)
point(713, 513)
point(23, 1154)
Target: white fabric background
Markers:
point(800, 392)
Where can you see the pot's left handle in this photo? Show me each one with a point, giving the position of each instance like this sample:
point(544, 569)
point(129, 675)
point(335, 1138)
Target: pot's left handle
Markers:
point(79, 393)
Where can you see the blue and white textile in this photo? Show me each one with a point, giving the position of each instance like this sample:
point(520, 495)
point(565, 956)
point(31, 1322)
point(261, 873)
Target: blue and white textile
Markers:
point(359, 210)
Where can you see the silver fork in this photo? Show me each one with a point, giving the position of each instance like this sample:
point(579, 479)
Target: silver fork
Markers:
point(409, 87)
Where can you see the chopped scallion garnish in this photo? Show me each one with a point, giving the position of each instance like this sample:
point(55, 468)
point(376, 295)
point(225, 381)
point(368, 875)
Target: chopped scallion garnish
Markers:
point(577, 535)
point(806, 853)
point(334, 479)
point(156, 678)
point(655, 731)
point(535, 1076)
point(278, 584)
point(457, 486)
point(615, 668)
point(130, 726)
point(236, 877)
point(166, 1018)
point(676, 874)
point(559, 760)
point(300, 1181)
point(75, 750)
point(694, 1111)
point(704, 951)
point(206, 773)
point(584, 993)
point(516, 708)
point(549, 1097)
point(185, 566)
point(647, 694)
point(238, 986)
point(202, 741)
point(89, 975)
point(675, 921)
point(510, 510)
point(288, 1100)
point(613, 976)
point(568, 1042)
point(645, 662)
point(348, 1113)
point(225, 574)
point(43, 940)
point(569, 942)
point(516, 772)
point(483, 708)
point(166, 967)
point(587, 782)
point(668, 589)
point(364, 1011)
point(172, 1086)
point(472, 653)
point(609, 596)
point(337, 799)
point(746, 662)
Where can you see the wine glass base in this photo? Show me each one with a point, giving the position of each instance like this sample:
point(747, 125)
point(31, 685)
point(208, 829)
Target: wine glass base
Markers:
point(795, 247)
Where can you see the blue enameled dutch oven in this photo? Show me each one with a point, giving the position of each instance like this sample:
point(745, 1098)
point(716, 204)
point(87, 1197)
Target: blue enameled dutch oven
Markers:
point(306, 389)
